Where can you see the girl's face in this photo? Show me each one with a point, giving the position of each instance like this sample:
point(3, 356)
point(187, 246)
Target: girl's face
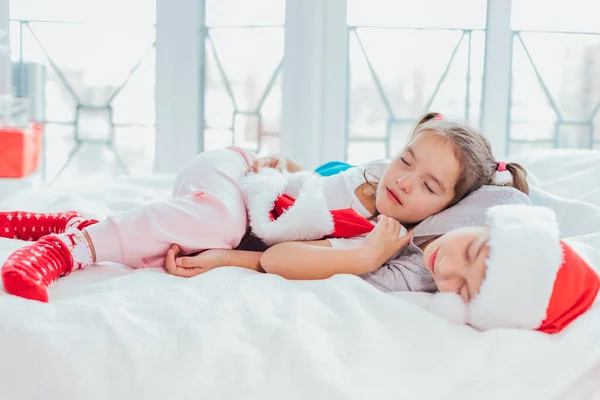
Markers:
point(420, 182)
point(457, 261)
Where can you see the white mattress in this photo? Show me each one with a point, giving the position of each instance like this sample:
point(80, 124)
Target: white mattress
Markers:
point(113, 333)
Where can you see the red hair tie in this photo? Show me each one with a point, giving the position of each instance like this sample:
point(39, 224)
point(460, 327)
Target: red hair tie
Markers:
point(501, 166)
point(438, 117)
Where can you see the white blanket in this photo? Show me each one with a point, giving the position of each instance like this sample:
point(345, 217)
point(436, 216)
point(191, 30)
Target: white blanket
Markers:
point(113, 333)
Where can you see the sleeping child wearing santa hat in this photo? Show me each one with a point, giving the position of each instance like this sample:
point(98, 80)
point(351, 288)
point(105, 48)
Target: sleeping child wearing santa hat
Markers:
point(514, 272)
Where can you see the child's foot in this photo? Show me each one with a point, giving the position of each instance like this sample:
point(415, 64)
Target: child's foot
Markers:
point(30, 270)
point(31, 226)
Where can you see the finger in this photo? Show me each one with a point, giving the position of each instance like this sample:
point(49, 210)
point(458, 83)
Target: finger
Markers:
point(396, 228)
point(184, 267)
point(391, 224)
point(254, 166)
point(405, 240)
point(186, 262)
point(282, 164)
point(170, 262)
point(188, 272)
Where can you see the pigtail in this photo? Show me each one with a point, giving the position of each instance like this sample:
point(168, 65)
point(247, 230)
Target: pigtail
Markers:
point(519, 177)
point(423, 119)
point(429, 116)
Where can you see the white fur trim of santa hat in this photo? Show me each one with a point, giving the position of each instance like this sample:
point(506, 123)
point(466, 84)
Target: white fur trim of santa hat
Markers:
point(308, 219)
point(525, 256)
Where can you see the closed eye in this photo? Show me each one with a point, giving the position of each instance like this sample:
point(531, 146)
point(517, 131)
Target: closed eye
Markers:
point(428, 187)
point(404, 161)
point(468, 252)
point(477, 248)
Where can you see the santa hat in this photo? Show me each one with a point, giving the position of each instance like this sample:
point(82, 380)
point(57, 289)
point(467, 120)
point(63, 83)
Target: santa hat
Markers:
point(533, 279)
point(292, 207)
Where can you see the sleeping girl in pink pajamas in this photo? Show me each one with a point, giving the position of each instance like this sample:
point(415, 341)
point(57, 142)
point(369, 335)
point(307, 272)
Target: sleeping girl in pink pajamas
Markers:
point(322, 225)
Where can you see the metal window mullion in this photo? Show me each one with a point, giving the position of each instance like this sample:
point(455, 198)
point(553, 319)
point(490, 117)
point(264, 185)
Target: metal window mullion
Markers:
point(468, 79)
point(444, 74)
point(545, 89)
point(497, 76)
point(20, 82)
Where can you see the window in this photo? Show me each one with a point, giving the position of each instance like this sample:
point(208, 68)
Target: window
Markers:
point(555, 81)
point(243, 50)
point(407, 58)
point(98, 106)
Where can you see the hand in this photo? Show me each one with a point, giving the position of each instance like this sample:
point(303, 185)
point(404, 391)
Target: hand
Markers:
point(195, 265)
point(384, 242)
point(273, 161)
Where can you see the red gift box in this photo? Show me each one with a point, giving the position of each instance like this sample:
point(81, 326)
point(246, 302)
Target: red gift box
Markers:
point(20, 150)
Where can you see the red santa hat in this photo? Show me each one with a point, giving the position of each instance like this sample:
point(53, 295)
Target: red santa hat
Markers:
point(533, 279)
point(292, 207)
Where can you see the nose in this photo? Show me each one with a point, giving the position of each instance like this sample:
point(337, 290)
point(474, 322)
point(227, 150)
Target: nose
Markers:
point(448, 274)
point(404, 183)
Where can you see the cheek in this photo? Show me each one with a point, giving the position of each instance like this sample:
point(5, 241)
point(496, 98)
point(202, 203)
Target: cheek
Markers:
point(448, 277)
point(426, 204)
point(393, 171)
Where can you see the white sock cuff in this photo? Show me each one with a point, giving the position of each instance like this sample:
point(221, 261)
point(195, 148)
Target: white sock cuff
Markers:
point(73, 223)
point(79, 247)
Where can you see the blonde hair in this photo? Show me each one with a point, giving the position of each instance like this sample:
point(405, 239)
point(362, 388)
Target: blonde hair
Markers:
point(473, 151)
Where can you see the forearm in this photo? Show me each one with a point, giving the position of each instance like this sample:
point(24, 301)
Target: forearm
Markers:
point(244, 259)
point(297, 260)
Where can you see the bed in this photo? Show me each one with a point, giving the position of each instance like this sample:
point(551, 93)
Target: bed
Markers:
point(111, 332)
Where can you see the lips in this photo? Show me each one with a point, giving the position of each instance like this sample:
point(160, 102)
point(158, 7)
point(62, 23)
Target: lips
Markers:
point(432, 260)
point(393, 196)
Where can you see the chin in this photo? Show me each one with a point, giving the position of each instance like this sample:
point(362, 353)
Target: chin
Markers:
point(387, 209)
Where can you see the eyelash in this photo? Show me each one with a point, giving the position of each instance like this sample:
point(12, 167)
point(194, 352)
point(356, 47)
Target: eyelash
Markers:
point(424, 183)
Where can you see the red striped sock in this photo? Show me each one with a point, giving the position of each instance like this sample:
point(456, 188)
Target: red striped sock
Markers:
point(30, 270)
point(31, 226)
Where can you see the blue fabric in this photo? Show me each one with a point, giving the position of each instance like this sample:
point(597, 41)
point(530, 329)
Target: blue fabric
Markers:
point(332, 168)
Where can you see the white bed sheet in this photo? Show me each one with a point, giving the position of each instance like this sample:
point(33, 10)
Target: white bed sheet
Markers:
point(111, 332)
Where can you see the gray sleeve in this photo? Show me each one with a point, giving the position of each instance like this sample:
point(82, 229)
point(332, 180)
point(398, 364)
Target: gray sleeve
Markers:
point(401, 274)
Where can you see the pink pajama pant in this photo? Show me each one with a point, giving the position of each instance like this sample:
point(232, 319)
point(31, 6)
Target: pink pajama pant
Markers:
point(207, 211)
